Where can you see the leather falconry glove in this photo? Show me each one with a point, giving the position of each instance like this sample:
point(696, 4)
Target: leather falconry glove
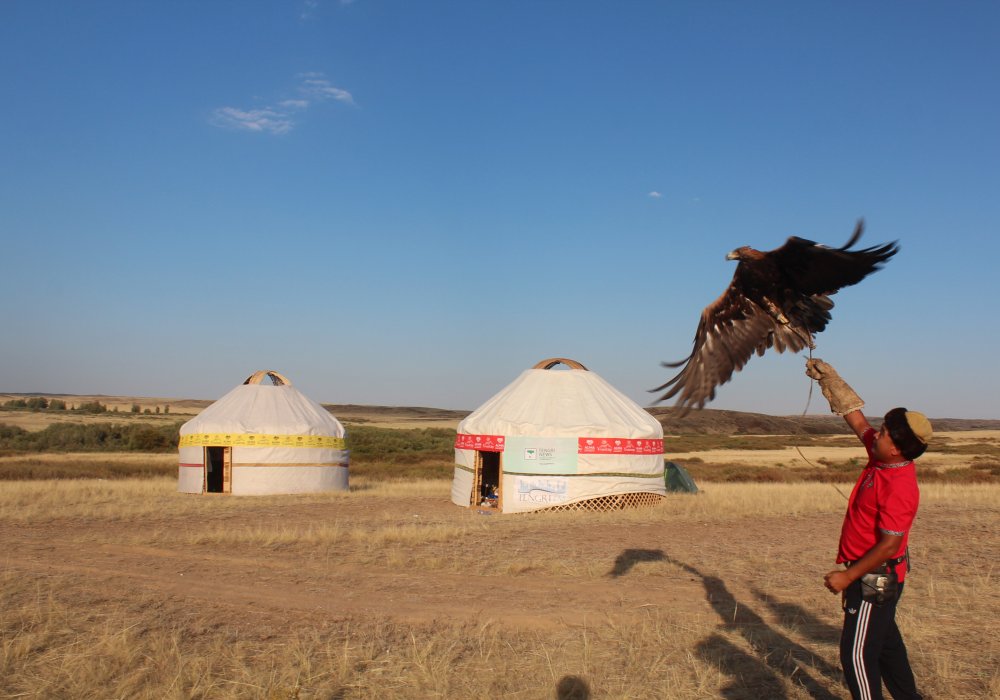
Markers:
point(843, 399)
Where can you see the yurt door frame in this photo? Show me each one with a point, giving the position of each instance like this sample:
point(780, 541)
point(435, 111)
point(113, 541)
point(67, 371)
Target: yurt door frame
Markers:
point(218, 459)
point(489, 469)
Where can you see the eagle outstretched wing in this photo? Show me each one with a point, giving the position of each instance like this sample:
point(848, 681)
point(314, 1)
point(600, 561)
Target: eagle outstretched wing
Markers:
point(811, 268)
point(778, 299)
point(731, 330)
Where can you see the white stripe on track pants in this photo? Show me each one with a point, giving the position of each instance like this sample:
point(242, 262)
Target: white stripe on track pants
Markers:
point(872, 650)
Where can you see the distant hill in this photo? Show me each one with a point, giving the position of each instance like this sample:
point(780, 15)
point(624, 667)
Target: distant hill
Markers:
point(373, 414)
point(717, 422)
point(706, 421)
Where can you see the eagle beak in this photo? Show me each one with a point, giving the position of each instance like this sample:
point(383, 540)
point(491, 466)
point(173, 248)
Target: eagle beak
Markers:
point(732, 255)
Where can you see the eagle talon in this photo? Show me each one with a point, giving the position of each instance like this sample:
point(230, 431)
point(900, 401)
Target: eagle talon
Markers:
point(775, 312)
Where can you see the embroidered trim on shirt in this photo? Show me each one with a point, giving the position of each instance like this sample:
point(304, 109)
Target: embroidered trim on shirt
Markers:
point(893, 532)
point(894, 465)
point(869, 480)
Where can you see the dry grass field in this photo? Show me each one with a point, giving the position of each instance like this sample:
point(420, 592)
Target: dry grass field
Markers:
point(123, 588)
point(129, 589)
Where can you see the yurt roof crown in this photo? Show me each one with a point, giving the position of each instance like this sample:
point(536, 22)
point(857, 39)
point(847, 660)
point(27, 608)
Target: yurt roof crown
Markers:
point(277, 378)
point(553, 361)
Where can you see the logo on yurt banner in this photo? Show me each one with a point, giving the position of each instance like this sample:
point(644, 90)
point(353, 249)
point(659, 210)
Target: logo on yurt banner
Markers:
point(541, 490)
point(541, 455)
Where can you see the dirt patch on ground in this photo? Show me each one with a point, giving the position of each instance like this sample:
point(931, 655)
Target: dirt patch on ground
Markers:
point(299, 584)
point(624, 566)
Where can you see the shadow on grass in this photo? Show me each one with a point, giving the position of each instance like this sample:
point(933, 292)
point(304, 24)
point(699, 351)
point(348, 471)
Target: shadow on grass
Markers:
point(774, 653)
point(792, 616)
point(630, 557)
point(572, 688)
point(773, 657)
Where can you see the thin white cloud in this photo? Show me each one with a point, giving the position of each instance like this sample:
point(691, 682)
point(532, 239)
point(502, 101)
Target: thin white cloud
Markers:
point(280, 118)
point(315, 85)
point(655, 195)
point(308, 8)
point(259, 120)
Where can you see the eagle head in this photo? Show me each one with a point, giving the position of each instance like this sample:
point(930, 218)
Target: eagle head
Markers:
point(744, 253)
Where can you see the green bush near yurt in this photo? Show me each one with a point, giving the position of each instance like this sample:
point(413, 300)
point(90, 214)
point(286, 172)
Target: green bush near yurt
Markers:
point(401, 453)
point(386, 453)
point(90, 437)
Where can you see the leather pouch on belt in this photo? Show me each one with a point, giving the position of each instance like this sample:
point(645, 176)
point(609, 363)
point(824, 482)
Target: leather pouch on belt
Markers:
point(880, 586)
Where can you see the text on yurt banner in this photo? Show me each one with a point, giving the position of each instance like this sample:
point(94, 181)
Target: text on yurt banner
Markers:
point(541, 455)
point(261, 440)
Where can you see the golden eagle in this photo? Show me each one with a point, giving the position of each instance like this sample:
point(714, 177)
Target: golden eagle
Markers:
point(778, 299)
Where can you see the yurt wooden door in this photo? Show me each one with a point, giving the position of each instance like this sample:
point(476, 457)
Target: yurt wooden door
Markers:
point(487, 489)
point(218, 469)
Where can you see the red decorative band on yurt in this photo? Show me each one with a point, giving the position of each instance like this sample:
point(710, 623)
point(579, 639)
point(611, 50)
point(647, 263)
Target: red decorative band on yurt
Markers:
point(483, 443)
point(620, 446)
point(586, 445)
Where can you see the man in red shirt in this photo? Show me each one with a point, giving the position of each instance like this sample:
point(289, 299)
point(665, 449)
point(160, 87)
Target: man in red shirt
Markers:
point(873, 542)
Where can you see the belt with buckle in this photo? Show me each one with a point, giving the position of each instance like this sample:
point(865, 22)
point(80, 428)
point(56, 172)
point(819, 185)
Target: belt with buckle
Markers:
point(889, 562)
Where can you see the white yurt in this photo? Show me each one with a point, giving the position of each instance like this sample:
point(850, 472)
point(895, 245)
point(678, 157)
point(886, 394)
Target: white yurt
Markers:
point(263, 437)
point(558, 437)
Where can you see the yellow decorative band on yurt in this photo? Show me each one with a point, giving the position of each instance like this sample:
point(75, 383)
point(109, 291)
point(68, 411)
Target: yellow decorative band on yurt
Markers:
point(259, 440)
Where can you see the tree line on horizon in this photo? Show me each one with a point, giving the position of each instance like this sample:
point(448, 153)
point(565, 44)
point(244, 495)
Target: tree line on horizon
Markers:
point(40, 403)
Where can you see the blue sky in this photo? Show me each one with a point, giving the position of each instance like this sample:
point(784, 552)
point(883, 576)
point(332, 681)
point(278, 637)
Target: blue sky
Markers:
point(408, 203)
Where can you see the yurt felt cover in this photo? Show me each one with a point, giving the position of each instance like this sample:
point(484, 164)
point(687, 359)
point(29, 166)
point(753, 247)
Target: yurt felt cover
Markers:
point(282, 441)
point(564, 436)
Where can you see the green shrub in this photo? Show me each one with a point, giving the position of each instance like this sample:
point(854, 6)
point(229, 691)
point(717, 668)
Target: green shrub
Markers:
point(406, 446)
point(79, 437)
point(10, 433)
